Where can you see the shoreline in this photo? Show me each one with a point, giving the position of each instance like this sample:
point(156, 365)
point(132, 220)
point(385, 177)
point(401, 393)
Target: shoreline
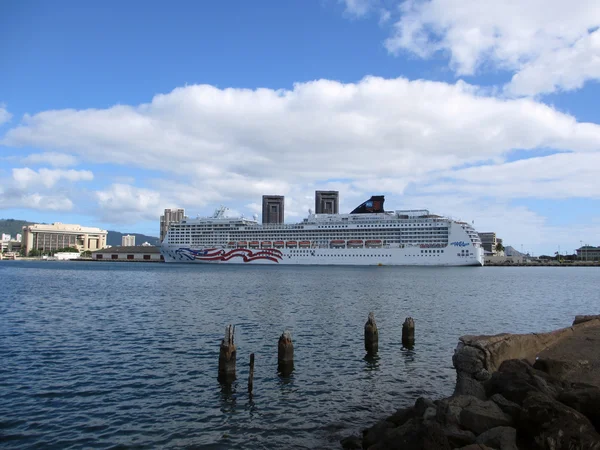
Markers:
point(513, 391)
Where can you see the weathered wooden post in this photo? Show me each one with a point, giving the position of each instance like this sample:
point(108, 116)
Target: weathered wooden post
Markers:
point(408, 333)
point(227, 354)
point(371, 335)
point(251, 375)
point(285, 354)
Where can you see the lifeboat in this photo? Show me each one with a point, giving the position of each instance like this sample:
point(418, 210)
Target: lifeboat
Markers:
point(231, 244)
point(373, 243)
point(242, 244)
point(291, 244)
point(304, 244)
point(265, 244)
point(338, 243)
point(278, 244)
point(253, 244)
point(356, 243)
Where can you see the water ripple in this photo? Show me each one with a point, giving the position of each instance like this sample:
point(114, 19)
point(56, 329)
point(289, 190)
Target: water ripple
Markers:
point(125, 356)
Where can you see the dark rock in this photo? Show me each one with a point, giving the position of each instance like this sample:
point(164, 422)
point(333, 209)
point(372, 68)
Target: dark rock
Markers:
point(586, 401)
point(351, 443)
point(468, 359)
point(457, 437)
point(515, 379)
point(501, 438)
point(480, 416)
point(476, 447)
point(421, 406)
point(401, 416)
point(549, 424)
point(375, 433)
point(448, 410)
point(507, 407)
point(414, 435)
point(466, 384)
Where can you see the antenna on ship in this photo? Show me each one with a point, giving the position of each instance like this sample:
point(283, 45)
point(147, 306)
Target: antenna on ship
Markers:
point(220, 212)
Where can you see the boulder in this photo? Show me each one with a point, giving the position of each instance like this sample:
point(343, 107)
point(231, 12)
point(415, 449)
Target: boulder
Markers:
point(501, 438)
point(549, 424)
point(415, 434)
point(476, 447)
point(375, 433)
point(351, 443)
point(507, 407)
point(516, 378)
point(480, 416)
point(421, 405)
point(586, 401)
point(448, 410)
point(458, 437)
point(401, 416)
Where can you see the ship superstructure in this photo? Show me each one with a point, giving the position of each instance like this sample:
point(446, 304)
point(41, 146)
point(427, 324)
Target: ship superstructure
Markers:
point(367, 236)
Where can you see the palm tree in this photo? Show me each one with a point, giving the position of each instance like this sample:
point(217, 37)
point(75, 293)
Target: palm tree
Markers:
point(499, 248)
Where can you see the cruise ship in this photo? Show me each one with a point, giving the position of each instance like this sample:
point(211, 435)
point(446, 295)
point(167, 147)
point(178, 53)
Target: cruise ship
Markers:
point(368, 236)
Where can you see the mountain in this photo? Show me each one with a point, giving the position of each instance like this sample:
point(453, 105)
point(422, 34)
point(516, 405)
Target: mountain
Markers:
point(114, 238)
point(14, 226)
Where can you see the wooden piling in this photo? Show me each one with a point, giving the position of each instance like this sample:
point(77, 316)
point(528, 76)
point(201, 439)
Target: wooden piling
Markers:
point(285, 354)
point(371, 335)
point(408, 333)
point(227, 355)
point(251, 375)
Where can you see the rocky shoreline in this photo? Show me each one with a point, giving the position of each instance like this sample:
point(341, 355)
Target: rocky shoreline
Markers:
point(531, 391)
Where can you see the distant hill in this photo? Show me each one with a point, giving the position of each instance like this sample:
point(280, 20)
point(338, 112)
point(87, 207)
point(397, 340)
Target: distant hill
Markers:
point(114, 238)
point(14, 226)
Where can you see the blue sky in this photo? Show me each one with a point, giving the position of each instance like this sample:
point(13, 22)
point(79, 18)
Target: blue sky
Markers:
point(113, 111)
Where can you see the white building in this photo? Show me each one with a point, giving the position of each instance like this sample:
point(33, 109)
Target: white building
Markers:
point(47, 238)
point(128, 241)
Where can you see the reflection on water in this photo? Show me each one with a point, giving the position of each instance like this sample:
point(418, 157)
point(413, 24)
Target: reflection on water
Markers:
point(126, 355)
point(372, 362)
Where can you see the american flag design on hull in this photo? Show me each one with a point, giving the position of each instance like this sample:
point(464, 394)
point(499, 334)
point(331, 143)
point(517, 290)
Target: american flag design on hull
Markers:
point(216, 254)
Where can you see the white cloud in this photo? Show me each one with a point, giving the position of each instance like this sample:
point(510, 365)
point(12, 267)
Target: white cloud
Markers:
point(15, 198)
point(559, 176)
point(5, 116)
point(319, 130)
point(357, 8)
point(54, 159)
point(390, 136)
point(549, 44)
point(26, 177)
point(122, 203)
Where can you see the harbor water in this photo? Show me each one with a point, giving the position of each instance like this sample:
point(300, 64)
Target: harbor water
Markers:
point(125, 355)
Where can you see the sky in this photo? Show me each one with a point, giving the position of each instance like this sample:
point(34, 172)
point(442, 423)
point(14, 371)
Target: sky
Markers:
point(480, 110)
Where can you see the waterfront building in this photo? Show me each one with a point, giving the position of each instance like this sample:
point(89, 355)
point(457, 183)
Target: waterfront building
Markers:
point(128, 241)
point(58, 235)
point(327, 202)
point(588, 253)
point(273, 209)
point(135, 253)
point(169, 217)
point(489, 242)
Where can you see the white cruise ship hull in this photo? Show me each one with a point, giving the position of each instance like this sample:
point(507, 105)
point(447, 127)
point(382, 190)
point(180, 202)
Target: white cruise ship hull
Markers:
point(410, 256)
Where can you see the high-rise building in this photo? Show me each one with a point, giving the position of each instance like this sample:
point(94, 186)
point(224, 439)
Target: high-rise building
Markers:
point(128, 241)
point(327, 202)
point(272, 209)
point(60, 235)
point(170, 216)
